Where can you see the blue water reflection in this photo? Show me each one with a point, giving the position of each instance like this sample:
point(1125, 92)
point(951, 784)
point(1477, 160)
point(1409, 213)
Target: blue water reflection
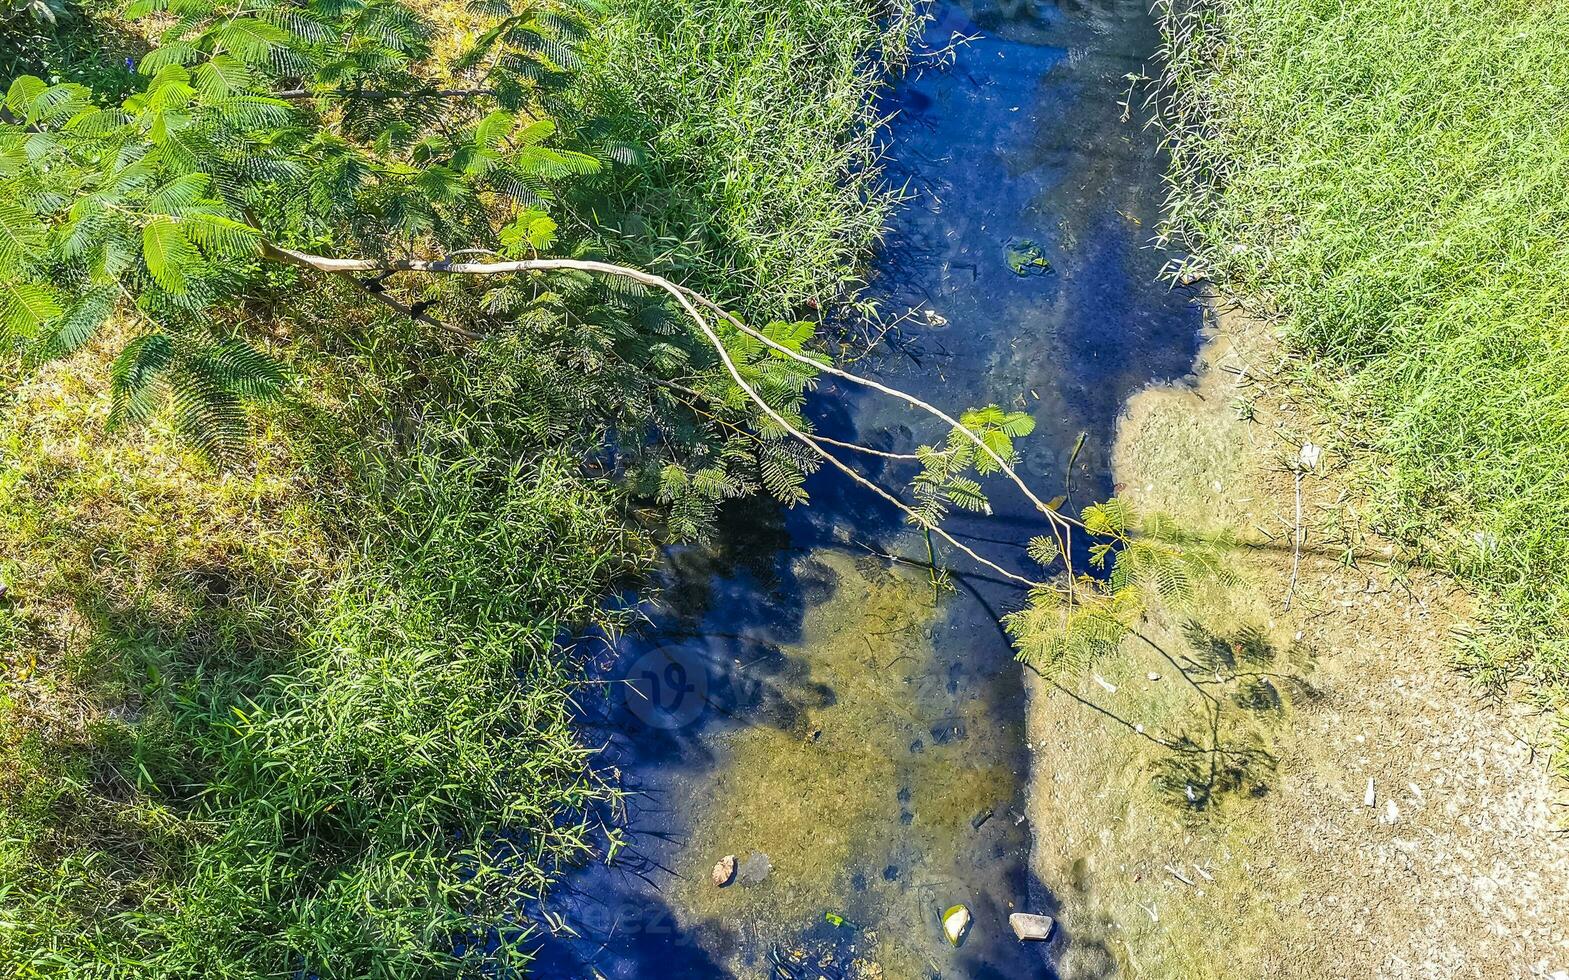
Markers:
point(1019, 140)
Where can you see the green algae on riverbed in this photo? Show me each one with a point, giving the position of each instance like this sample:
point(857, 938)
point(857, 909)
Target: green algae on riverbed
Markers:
point(874, 795)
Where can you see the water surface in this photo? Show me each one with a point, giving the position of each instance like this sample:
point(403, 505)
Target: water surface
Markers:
point(854, 736)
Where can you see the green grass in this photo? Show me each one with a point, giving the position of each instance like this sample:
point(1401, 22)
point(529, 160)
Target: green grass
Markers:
point(309, 715)
point(1393, 180)
point(764, 186)
point(85, 44)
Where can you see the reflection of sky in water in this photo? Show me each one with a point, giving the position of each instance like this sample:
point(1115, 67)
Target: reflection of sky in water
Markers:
point(1020, 139)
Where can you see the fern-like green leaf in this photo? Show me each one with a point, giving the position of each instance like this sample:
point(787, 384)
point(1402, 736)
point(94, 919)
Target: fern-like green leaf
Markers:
point(75, 326)
point(25, 307)
point(494, 128)
point(221, 236)
point(966, 493)
point(1044, 550)
point(223, 76)
point(791, 335)
point(1111, 517)
point(179, 195)
point(166, 54)
point(168, 253)
point(250, 40)
point(1017, 425)
point(134, 376)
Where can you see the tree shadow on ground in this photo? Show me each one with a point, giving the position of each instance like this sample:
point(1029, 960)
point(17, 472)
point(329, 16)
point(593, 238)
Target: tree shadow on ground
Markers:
point(1242, 686)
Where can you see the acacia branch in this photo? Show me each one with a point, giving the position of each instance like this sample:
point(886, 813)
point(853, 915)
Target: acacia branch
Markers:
point(1061, 525)
point(853, 446)
point(303, 260)
point(378, 95)
point(868, 450)
point(685, 299)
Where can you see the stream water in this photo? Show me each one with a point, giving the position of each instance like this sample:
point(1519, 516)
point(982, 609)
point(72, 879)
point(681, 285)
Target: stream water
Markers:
point(853, 736)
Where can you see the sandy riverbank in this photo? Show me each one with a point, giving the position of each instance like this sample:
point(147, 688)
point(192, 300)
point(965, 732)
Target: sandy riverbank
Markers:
point(1457, 867)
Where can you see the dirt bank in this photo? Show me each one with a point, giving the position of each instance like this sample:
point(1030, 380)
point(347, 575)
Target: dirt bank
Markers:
point(1266, 858)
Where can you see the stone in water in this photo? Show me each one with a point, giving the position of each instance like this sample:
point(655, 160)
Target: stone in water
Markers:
point(1031, 927)
point(1026, 258)
point(956, 924)
point(755, 868)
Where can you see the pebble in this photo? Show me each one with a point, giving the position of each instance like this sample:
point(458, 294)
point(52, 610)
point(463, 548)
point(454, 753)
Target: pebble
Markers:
point(754, 869)
point(956, 924)
point(1031, 927)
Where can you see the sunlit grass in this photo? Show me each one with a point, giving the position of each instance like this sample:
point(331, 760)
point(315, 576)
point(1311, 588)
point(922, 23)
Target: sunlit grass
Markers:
point(309, 715)
point(764, 184)
point(1393, 179)
point(286, 716)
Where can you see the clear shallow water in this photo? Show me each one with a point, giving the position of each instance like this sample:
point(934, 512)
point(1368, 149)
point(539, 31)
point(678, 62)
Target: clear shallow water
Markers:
point(797, 698)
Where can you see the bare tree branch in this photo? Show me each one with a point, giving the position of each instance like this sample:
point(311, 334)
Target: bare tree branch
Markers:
point(1056, 518)
point(300, 259)
point(374, 95)
point(687, 299)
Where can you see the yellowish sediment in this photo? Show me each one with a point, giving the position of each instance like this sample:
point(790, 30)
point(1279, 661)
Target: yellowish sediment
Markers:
point(1454, 869)
point(826, 795)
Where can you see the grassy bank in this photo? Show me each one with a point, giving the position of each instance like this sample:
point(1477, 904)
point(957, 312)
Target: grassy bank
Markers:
point(763, 183)
point(308, 714)
point(1392, 179)
point(290, 715)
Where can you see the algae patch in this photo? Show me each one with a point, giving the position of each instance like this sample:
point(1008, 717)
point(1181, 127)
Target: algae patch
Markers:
point(1026, 258)
point(865, 807)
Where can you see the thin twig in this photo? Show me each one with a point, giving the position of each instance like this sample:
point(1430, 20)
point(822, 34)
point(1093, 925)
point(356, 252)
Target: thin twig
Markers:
point(1296, 542)
point(685, 298)
point(1002, 464)
point(297, 94)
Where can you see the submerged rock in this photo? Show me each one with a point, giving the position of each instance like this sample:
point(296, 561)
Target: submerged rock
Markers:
point(724, 871)
point(1029, 927)
point(754, 869)
point(1026, 258)
point(956, 924)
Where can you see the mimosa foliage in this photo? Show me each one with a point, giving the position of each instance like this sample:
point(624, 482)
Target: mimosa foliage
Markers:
point(326, 126)
point(162, 204)
point(1065, 626)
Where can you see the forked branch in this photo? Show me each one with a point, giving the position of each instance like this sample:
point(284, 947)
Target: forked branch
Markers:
point(690, 301)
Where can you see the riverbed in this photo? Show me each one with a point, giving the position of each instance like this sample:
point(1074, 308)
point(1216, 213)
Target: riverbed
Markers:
point(847, 727)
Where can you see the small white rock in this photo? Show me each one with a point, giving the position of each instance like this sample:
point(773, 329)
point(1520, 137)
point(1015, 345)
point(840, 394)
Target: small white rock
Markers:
point(1028, 927)
point(956, 924)
point(1369, 797)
